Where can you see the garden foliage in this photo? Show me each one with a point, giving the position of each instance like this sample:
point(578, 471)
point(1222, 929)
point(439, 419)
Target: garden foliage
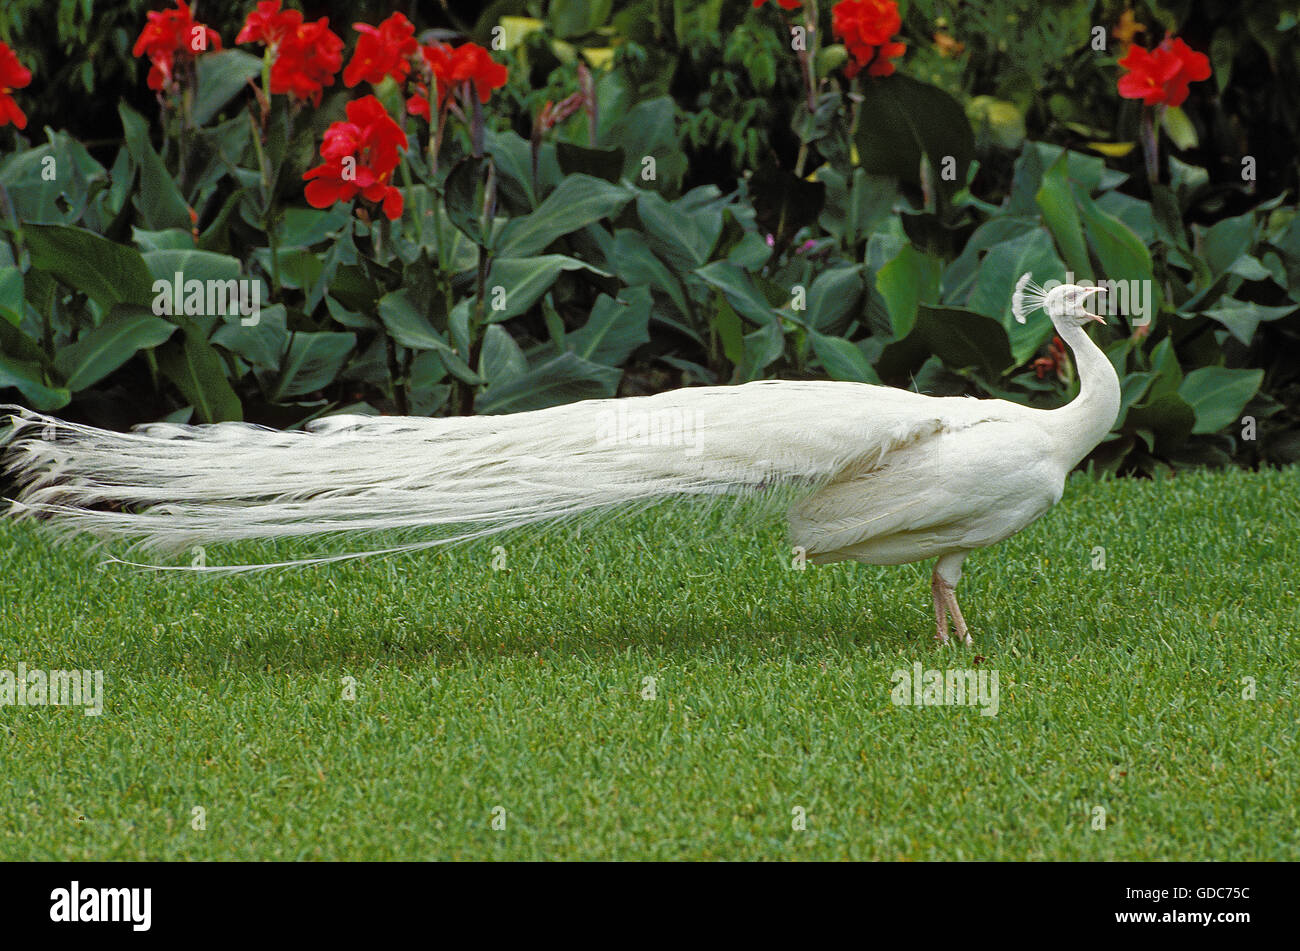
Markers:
point(570, 200)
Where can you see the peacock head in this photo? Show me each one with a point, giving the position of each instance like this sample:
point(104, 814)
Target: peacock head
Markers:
point(1065, 302)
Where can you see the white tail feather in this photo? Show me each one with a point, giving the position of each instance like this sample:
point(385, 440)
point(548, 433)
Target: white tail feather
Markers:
point(170, 486)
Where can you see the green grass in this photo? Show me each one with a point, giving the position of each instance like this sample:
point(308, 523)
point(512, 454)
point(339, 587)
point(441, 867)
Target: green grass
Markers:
point(1120, 688)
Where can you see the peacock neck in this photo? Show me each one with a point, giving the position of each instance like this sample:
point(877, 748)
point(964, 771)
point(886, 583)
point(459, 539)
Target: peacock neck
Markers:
point(1084, 422)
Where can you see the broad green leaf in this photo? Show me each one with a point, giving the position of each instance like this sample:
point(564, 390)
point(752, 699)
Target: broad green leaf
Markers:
point(262, 344)
point(1242, 318)
point(1124, 259)
point(12, 304)
point(1223, 244)
point(763, 347)
point(901, 119)
point(648, 134)
point(1167, 417)
point(169, 239)
point(500, 358)
point(53, 183)
point(1218, 395)
point(842, 359)
point(523, 280)
point(1180, 129)
point(314, 361)
point(105, 271)
point(910, 279)
point(26, 377)
point(740, 291)
point(562, 379)
point(636, 264)
point(578, 201)
point(126, 330)
point(1030, 253)
point(406, 324)
point(198, 371)
point(959, 337)
point(221, 76)
point(617, 326)
point(158, 200)
point(605, 164)
point(835, 295)
point(1056, 200)
point(682, 239)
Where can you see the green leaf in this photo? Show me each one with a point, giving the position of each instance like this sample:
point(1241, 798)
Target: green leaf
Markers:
point(636, 264)
point(1242, 318)
point(524, 280)
point(1218, 395)
point(842, 359)
point(562, 379)
point(739, 290)
point(763, 347)
point(262, 344)
point(463, 197)
point(683, 239)
point(170, 239)
point(835, 295)
point(1181, 131)
point(221, 76)
point(126, 330)
point(617, 326)
point(1167, 417)
point(500, 358)
point(900, 120)
point(53, 183)
point(1030, 253)
point(1226, 241)
point(605, 164)
point(904, 283)
point(578, 201)
point(1056, 200)
point(105, 271)
point(648, 131)
point(784, 203)
point(12, 305)
point(1124, 258)
point(313, 362)
point(199, 373)
point(406, 324)
point(27, 378)
point(158, 200)
point(959, 337)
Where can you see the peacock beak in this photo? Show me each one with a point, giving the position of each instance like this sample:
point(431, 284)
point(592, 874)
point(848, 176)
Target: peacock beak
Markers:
point(1089, 314)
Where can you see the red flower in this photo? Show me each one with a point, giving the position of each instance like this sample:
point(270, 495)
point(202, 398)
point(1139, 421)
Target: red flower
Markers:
point(466, 68)
point(306, 56)
point(382, 51)
point(360, 156)
point(1161, 76)
point(866, 27)
point(1054, 362)
point(784, 4)
point(169, 34)
point(13, 75)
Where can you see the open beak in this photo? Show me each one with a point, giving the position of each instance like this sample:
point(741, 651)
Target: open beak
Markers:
point(1089, 314)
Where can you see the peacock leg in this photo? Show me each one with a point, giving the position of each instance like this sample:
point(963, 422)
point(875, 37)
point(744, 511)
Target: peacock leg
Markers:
point(943, 586)
point(958, 622)
point(940, 609)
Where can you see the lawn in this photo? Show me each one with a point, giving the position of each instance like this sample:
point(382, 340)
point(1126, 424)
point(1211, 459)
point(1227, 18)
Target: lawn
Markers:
point(1161, 688)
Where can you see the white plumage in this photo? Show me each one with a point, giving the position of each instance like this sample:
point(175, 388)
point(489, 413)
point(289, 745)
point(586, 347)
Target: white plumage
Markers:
point(893, 476)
